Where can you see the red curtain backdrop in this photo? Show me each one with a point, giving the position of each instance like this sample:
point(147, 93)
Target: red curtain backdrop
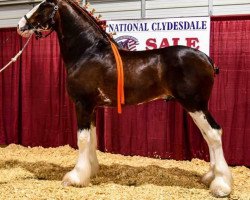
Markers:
point(36, 110)
point(230, 103)
point(9, 88)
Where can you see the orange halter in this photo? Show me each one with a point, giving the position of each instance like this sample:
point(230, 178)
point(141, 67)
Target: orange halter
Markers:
point(120, 78)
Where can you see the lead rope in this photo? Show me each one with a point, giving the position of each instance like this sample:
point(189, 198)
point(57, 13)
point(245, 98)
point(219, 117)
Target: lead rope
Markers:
point(14, 59)
point(120, 78)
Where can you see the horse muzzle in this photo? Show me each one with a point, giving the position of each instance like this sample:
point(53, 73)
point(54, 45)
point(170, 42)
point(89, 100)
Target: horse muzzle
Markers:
point(23, 28)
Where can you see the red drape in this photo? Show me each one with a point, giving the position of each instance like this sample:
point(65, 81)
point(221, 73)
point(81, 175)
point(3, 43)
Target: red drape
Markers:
point(35, 108)
point(9, 88)
point(230, 102)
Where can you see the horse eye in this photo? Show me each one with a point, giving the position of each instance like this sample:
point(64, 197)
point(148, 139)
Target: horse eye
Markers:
point(42, 9)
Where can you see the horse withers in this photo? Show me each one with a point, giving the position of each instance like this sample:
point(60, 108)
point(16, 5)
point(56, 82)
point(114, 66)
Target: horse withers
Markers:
point(179, 72)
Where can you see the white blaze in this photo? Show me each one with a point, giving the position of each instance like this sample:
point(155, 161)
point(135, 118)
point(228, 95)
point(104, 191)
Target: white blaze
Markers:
point(23, 22)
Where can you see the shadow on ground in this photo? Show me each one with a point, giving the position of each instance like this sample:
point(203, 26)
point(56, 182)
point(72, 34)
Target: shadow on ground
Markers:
point(116, 173)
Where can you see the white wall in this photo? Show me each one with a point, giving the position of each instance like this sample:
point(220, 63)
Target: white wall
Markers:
point(118, 9)
point(180, 8)
point(231, 7)
point(10, 15)
point(12, 11)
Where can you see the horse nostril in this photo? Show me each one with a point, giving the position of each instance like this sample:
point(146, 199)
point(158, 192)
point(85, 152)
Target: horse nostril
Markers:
point(24, 28)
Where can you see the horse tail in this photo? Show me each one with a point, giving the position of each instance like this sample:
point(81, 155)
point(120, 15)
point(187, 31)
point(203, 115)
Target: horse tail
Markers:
point(216, 68)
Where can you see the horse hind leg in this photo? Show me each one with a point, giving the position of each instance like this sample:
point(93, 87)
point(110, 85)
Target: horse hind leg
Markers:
point(219, 176)
point(209, 176)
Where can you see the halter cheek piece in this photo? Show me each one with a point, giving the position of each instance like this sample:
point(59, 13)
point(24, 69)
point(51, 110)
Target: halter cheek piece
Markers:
point(52, 23)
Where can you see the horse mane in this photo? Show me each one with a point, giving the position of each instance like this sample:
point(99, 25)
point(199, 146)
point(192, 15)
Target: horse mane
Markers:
point(91, 18)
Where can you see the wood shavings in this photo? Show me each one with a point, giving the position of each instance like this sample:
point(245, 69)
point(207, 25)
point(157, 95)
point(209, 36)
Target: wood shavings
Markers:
point(36, 173)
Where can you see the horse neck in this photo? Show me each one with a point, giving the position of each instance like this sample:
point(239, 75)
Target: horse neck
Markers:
point(77, 35)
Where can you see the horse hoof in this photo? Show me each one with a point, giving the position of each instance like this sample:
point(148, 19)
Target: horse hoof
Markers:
point(220, 188)
point(72, 178)
point(66, 183)
point(208, 178)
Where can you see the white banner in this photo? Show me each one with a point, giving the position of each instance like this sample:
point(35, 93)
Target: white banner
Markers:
point(158, 33)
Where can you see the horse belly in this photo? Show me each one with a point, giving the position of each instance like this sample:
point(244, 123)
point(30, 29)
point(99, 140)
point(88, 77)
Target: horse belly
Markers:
point(146, 94)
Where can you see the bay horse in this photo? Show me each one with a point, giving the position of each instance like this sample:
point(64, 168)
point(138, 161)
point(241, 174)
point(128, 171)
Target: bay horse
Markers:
point(179, 72)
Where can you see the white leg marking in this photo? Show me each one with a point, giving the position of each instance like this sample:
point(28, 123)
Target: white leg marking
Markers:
point(80, 175)
point(220, 174)
point(209, 176)
point(93, 157)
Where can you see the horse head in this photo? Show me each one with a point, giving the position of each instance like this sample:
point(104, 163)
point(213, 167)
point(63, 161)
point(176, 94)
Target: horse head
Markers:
point(39, 19)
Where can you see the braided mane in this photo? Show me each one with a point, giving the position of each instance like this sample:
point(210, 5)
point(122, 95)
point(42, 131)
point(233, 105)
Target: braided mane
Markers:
point(95, 22)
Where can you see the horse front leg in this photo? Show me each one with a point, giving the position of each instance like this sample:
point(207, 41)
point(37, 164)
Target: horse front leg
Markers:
point(93, 146)
point(87, 163)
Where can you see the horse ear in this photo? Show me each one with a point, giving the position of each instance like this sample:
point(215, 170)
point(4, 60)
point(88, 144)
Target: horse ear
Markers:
point(50, 1)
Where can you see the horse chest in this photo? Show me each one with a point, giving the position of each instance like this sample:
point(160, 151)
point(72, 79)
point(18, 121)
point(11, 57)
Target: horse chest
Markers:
point(78, 86)
point(86, 86)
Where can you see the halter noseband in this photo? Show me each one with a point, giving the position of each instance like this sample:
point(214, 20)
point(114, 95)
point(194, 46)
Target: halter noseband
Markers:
point(51, 17)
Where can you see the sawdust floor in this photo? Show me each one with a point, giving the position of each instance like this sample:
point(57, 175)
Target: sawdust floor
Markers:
point(36, 173)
